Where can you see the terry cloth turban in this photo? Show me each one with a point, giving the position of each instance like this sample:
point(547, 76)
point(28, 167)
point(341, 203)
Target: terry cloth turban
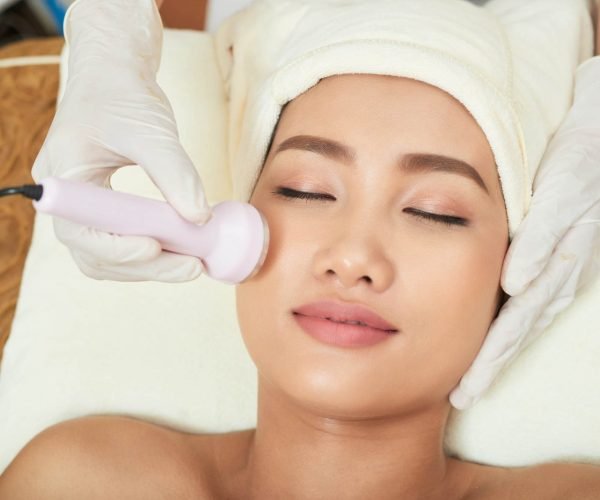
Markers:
point(510, 63)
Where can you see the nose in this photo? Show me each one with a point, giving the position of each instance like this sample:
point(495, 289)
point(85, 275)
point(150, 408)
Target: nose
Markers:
point(353, 257)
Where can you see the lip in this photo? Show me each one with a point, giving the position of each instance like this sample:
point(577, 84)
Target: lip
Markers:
point(323, 321)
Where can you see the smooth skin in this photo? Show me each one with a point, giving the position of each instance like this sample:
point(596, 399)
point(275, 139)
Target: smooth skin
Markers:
point(338, 422)
point(375, 413)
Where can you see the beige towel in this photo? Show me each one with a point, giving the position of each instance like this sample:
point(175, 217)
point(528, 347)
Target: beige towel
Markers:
point(511, 64)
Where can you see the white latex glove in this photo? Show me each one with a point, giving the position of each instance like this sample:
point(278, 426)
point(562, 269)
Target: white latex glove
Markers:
point(113, 114)
point(555, 251)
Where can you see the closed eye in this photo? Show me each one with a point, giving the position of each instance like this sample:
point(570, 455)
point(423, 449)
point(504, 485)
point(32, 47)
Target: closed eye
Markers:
point(285, 192)
point(450, 220)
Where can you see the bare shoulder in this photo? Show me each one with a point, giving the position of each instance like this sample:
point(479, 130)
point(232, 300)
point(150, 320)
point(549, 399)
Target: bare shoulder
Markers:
point(109, 457)
point(559, 481)
point(552, 481)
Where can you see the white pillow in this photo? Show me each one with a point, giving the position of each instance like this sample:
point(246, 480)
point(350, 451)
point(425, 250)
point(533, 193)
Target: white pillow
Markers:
point(173, 354)
point(546, 405)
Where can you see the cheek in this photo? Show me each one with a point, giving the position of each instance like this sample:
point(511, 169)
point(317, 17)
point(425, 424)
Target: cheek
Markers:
point(452, 308)
point(287, 257)
point(462, 278)
point(263, 301)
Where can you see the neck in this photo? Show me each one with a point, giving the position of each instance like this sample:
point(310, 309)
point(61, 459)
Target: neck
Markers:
point(300, 454)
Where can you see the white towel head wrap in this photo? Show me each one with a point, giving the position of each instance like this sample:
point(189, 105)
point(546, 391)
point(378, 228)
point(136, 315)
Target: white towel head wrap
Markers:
point(510, 63)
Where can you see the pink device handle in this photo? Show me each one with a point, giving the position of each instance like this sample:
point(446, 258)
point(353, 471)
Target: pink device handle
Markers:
point(232, 244)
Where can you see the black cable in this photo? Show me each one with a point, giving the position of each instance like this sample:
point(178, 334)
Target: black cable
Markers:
point(31, 191)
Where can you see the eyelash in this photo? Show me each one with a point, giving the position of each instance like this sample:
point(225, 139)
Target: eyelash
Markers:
point(292, 193)
point(449, 220)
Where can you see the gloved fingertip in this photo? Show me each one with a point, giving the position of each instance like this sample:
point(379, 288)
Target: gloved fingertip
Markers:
point(197, 272)
point(188, 272)
point(516, 279)
point(193, 209)
point(513, 286)
point(201, 216)
point(460, 400)
point(198, 213)
point(151, 250)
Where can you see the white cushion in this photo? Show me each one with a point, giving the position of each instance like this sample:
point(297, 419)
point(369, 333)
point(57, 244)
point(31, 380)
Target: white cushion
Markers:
point(546, 405)
point(173, 354)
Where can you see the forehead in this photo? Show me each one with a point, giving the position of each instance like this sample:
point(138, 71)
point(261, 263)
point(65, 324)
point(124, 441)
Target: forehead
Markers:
point(383, 116)
point(389, 100)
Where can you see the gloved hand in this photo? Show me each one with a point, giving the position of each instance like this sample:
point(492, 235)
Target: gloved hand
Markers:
point(555, 251)
point(113, 114)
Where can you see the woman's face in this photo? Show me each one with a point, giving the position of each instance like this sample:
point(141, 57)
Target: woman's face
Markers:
point(371, 240)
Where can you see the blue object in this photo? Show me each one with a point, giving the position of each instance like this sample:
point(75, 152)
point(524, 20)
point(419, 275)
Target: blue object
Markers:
point(57, 10)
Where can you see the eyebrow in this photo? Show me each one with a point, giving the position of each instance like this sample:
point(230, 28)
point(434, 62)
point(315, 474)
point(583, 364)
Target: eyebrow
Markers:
point(411, 162)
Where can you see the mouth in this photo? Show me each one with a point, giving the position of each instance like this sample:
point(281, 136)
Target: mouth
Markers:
point(344, 325)
point(345, 313)
point(350, 322)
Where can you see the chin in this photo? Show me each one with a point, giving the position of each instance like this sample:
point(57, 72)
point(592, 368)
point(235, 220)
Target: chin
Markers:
point(328, 395)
